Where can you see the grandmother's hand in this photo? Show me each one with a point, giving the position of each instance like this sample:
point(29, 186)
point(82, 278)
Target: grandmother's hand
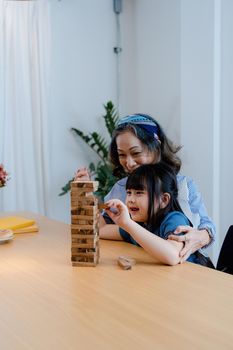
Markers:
point(82, 174)
point(193, 239)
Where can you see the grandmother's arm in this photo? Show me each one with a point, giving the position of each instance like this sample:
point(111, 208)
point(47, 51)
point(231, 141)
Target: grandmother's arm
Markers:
point(192, 238)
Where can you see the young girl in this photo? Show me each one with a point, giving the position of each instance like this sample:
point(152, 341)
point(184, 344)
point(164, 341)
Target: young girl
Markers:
point(150, 215)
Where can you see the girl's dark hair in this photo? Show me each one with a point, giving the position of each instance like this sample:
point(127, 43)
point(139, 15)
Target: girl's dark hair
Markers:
point(163, 148)
point(156, 179)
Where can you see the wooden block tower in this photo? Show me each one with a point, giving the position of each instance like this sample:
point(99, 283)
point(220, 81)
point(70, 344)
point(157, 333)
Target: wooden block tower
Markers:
point(84, 224)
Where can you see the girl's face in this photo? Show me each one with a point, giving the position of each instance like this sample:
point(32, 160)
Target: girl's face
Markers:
point(132, 153)
point(137, 202)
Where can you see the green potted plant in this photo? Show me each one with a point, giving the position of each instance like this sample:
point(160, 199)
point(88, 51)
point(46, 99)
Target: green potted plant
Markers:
point(100, 171)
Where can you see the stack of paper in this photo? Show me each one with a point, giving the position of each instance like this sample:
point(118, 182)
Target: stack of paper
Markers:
point(32, 228)
point(18, 224)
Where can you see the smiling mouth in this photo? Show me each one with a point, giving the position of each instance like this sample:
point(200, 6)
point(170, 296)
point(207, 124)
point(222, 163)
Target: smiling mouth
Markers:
point(130, 170)
point(133, 209)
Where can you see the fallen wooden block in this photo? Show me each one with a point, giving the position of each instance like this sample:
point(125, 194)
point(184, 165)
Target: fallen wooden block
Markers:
point(125, 262)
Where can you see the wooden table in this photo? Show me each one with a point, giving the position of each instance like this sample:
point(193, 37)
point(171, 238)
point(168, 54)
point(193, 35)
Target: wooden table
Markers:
point(45, 303)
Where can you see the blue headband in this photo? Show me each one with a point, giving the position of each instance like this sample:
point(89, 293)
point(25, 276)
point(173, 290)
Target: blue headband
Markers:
point(142, 121)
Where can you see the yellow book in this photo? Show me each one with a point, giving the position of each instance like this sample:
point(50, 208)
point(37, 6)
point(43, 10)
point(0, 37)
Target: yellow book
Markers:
point(15, 222)
point(32, 228)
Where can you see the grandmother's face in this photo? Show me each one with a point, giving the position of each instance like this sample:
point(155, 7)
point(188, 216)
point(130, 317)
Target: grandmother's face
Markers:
point(132, 152)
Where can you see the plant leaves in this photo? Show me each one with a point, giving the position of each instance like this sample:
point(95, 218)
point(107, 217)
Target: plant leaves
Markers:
point(66, 188)
point(111, 117)
point(102, 170)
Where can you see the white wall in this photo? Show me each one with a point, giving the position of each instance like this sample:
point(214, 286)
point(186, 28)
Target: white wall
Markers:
point(83, 77)
point(158, 62)
point(197, 94)
point(226, 121)
point(128, 58)
point(207, 105)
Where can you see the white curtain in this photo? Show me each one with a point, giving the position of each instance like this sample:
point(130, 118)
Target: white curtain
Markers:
point(24, 67)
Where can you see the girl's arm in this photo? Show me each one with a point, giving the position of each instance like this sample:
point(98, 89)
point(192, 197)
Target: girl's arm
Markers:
point(110, 231)
point(166, 251)
point(160, 249)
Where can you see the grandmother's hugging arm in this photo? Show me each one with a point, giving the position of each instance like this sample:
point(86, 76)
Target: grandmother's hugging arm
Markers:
point(193, 240)
point(204, 234)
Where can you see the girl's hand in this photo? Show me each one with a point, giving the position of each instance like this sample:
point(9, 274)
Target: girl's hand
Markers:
point(82, 174)
point(118, 212)
point(193, 239)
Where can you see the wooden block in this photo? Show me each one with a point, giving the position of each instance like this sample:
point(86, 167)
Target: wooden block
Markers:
point(76, 246)
point(86, 251)
point(75, 232)
point(83, 217)
point(82, 243)
point(84, 263)
point(90, 256)
point(88, 183)
point(94, 211)
point(89, 210)
point(74, 238)
point(86, 260)
point(84, 227)
point(82, 222)
point(84, 256)
point(125, 262)
point(80, 236)
point(80, 240)
point(80, 192)
point(89, 251)
point(78, 211)
point(80, 203)
point(91, 243)
point(85, 184)
point(102, 206)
